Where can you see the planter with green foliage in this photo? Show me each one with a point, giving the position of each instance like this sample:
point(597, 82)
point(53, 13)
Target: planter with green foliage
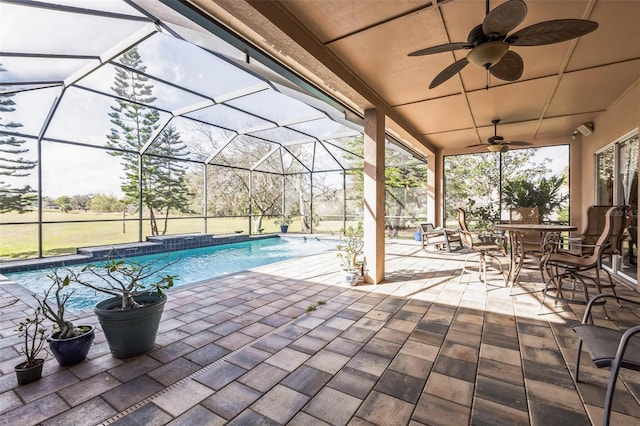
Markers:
point(32, 336)
point(131, 318)
point(69, 344)
point(350, 249)
point(284, 221)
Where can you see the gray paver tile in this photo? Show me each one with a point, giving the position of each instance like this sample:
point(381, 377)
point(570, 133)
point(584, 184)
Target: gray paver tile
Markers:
point(220, 375)
point(263, 377)
point(401, 386)
point(307, 380)
point(36, 411)
point(287, 359)
point(207, 354)
point(327, 361)
point(182, 397)
point(148, 414)
point(229, 401)
point(353, 382)
point(175, 370)
point(197, 415)
point(385, 410)
point(250, 417)
point(333, 406)
point(88, 413)
point(87, 389)
point(132, 392)
point(280, 403)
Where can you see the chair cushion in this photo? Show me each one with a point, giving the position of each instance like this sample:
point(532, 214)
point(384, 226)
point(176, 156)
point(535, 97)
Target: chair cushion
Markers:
point(602, 345)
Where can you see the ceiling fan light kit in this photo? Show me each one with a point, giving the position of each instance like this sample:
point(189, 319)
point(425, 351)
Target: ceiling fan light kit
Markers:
point(488, 54)
point(489, 42)
point(498, 148)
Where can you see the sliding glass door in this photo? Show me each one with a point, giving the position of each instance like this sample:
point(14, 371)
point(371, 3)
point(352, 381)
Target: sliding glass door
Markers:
point(617, 184)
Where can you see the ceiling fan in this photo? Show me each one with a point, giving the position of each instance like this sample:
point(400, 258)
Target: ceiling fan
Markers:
point(489, 43)
point(497, 143)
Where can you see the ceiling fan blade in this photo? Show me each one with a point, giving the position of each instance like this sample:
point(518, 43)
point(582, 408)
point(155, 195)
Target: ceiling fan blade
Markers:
point(448, 72)
point(550, 32)
point(509, 68)
point(518, 143)
point(476, 145)
point(504, 18)
point(449, 47)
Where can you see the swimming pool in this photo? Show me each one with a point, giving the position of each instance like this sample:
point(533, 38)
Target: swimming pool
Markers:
point(194, 265)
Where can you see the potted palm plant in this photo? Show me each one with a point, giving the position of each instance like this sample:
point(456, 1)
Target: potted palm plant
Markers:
point(69, 344)
point(130, 318)
point(350, 249)
point(32, 334)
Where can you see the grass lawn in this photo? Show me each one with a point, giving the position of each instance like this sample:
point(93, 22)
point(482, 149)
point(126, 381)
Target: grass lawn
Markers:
point(21, 241)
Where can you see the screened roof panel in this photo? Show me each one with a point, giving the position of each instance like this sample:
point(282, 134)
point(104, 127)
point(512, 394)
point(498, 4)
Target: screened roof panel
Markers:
point(25, 29)
point(276, 107)
point(202, 88)
point(202, 140)
point(243, 151)
point(30, 109)
point(282, 135)
point(302, 153)
point(164, 96)
point(323, 160)
point(31, 70)
point(345, 158)
point(230, 118)
point(324, 128)
point(272, 164)
point(182, 63)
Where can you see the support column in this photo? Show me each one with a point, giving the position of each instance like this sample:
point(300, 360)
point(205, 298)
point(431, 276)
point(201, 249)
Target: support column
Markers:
point(431, 189)
point(374, 195)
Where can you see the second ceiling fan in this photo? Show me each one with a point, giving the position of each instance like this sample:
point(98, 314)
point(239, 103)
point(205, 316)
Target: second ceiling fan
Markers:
point(497, 143)
point(489, 43)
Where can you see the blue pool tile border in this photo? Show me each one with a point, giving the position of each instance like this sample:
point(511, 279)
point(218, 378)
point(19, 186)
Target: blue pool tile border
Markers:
point(153, 245)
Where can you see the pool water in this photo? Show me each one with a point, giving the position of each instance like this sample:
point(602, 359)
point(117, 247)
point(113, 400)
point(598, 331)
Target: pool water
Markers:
point(194, 265)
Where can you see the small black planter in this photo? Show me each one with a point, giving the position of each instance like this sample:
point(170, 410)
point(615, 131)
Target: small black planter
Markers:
point(26, 375)
point(131, 332)
point(74, 350)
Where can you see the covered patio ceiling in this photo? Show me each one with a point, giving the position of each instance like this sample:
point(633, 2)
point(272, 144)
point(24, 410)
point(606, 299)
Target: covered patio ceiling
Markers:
point(357, 51)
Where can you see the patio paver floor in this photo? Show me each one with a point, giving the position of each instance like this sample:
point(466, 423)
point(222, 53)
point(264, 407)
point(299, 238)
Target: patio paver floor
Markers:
point(420, 348)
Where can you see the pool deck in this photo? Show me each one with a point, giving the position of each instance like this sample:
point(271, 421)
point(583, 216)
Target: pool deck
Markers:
point(419, 349)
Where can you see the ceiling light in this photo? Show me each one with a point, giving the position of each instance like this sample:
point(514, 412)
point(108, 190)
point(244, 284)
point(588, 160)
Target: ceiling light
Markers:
point(488, 54)
point(497, 148)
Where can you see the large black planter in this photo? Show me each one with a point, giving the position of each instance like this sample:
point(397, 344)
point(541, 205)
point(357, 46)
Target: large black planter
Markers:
point(74, 350)
point(131, 332)
point(26, 375)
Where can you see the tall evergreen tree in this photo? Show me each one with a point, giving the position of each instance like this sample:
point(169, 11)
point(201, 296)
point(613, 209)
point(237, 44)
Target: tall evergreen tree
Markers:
point(163, 184)
point(12, 164)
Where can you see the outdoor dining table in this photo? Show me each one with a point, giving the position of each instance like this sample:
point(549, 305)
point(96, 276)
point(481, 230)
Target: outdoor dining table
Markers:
point(515, 231)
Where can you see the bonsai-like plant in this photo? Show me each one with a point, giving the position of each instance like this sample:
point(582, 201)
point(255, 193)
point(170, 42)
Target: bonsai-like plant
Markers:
point(125, 279)
point(32, 333)
point(65, 328)
point(351, 246)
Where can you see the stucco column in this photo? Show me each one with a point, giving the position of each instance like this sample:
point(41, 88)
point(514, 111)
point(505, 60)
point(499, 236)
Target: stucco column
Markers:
point(432, 202)
point(374, 195)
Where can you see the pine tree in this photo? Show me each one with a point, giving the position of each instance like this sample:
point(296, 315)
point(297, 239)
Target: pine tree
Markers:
point(164, 183)
point(13, 164)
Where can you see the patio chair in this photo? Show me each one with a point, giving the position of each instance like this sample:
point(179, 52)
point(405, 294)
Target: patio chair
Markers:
point(481, 248)
point(441, 238)
point(531, 244)
point(562, 266)
point(608, 347)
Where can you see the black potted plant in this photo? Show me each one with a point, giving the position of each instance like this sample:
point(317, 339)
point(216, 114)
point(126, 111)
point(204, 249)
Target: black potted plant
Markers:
point(131, 318)
point(32, 335)
point(69, 344)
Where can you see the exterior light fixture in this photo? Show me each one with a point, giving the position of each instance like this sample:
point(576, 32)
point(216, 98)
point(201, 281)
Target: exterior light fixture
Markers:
point(497, 148)
point(585, 129)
